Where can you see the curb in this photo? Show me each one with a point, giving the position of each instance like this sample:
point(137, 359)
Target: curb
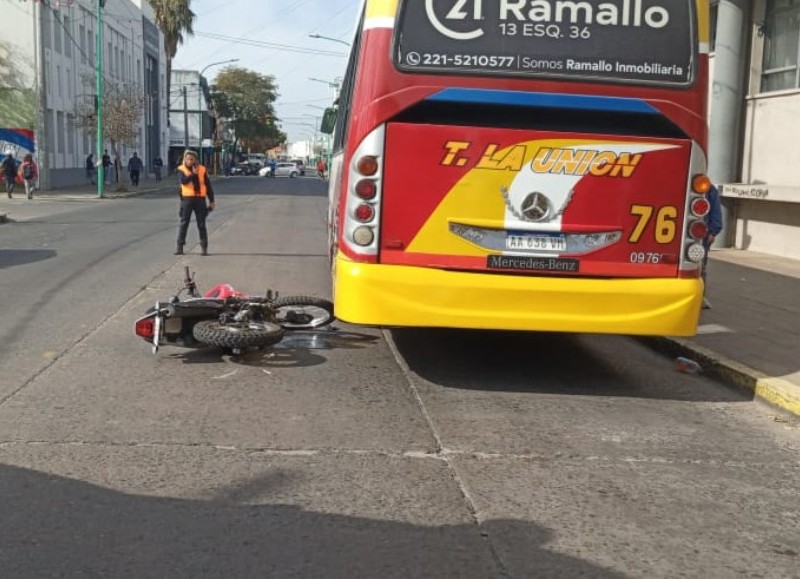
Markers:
point(775, 391)
point(3, 218)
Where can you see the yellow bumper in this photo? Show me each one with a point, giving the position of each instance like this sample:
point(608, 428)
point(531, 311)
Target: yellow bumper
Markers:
point(393, 295)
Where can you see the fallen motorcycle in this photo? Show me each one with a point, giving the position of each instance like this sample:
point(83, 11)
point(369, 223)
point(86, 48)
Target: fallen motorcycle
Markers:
point(228, 319)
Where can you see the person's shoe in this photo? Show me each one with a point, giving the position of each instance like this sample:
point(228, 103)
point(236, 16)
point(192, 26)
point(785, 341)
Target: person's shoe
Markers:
point(204, 251)
point(179, 251)
point(706, 304)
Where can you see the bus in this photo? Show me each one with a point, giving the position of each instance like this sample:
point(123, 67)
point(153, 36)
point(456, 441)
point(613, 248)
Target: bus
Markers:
point(522, 165)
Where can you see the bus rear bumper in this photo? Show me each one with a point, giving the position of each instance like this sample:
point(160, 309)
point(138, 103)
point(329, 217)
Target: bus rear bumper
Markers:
point(396, 295)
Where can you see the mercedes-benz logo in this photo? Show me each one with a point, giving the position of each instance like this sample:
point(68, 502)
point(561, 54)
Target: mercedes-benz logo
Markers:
point(536, 207)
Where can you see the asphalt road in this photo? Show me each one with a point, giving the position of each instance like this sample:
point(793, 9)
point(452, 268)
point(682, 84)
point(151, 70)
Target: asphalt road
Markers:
point(350, 452)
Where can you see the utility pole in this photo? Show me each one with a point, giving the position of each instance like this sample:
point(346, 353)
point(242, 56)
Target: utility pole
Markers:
point(101, 178)
point(185, 120)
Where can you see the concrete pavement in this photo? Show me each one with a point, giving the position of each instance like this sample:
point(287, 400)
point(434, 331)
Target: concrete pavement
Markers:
point(750, 337)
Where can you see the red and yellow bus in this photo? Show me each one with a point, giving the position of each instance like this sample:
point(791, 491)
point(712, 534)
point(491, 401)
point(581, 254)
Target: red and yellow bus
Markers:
point(523, 165)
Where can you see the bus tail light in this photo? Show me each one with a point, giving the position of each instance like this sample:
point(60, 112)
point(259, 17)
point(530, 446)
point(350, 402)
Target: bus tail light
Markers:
point(696, 207)
point(367, 165)
point(364, 213)
point(701, 184)
point(363, 236)
point(696, 252)
point(698, 230)
point(700, 207)
point(366, 189)
point(361, 226)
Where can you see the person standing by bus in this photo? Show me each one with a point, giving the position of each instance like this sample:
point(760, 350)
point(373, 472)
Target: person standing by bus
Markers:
point(195, 189)
point(713, 221)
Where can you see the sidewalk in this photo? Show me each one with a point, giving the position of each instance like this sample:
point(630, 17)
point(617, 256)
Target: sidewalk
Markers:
point(751, 335)
point(89, 192)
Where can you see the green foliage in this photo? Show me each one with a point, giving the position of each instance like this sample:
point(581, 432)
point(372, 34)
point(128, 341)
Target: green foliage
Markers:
point(253, 108)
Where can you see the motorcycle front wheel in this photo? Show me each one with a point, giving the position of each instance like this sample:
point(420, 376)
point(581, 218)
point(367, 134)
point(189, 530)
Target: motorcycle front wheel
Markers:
point(237, 335)
point(303, 312)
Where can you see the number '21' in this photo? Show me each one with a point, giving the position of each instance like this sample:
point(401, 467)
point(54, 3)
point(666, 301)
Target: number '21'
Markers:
point(665, 222)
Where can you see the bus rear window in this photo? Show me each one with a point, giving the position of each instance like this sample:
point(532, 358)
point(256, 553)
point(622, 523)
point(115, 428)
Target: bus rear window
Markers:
point(638, 41)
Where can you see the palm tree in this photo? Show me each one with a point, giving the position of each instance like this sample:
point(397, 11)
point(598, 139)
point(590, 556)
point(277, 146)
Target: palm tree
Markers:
point(175, 20)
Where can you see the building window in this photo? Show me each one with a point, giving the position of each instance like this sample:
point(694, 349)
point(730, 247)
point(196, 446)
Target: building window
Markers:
point(781, 45)
point(60, 132)
point(70, 134)
point(67, 38)
point(82, 37)
point(57, 38)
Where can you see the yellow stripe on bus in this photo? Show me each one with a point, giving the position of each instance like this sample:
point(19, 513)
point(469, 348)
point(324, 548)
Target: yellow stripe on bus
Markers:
point(704, 33)
point(381, 9)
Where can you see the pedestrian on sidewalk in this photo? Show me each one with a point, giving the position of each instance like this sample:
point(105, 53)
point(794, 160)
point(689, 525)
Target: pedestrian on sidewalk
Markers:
point(9, 172)
point(106, 165)
point(135, 167)
point(90, 168)
point(158, 164)
point(195, 189)
point(29, 173)
point(713, 221)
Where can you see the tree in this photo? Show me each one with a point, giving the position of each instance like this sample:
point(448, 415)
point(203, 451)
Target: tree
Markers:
point(175, 19)
point(123, 108)
point(253, 110)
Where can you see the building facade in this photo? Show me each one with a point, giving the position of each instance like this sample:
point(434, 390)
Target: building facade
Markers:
point(52, 71)
point(755, 122)
point(191, 120)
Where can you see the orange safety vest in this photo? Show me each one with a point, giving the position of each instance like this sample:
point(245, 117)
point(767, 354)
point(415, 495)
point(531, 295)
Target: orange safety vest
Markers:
point(187, 190)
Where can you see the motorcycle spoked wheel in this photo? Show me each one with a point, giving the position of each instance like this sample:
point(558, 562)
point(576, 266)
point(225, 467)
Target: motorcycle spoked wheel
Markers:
point(303, 312)
point(237, 335)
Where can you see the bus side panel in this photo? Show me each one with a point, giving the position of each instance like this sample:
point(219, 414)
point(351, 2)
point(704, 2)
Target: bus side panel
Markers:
point(534, 203)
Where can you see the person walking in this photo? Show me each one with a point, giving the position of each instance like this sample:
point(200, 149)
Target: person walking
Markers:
point(29, 173)
point(106, 166)
point(9, 172)
point(90, 168)
point(158, 164)
point(135, 167)
point(713, 221)
point(195, 190)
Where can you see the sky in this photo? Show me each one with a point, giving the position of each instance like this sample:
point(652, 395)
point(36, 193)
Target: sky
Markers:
point(276, 22)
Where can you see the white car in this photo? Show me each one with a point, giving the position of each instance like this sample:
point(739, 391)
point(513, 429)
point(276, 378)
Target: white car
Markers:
point(283, 169)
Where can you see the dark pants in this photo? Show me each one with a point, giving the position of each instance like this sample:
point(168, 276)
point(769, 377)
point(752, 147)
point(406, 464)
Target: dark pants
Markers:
point(135, 178)
point(200, 209)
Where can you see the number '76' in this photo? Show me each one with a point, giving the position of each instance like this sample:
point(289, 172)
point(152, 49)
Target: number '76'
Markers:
point(665, 222)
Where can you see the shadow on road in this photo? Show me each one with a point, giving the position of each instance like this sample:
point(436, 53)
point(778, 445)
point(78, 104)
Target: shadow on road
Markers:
point(12, 257)
point(54, 526)
point(552, 363)
point(295, 350)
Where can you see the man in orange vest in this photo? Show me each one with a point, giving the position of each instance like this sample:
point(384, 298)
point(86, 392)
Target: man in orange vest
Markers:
point(195, 189)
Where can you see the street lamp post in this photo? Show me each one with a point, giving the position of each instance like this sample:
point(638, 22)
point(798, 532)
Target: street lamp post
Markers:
point(200, 136)
point(334, 84)
point(329, 38)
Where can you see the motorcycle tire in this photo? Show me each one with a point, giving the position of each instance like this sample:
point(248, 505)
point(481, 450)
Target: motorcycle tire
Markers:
point(237, 335)
point(303, 312)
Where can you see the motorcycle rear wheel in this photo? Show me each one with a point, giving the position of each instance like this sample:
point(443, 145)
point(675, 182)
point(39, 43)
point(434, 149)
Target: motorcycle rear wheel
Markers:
point(237, 335)
point(303, 312)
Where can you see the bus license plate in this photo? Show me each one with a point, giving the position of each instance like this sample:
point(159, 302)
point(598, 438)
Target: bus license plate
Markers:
point(536, 242)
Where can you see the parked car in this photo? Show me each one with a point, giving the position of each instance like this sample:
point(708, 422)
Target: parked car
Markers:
point(244, 169)
point(301, 168)
point(286, 169)
point(265, 171)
